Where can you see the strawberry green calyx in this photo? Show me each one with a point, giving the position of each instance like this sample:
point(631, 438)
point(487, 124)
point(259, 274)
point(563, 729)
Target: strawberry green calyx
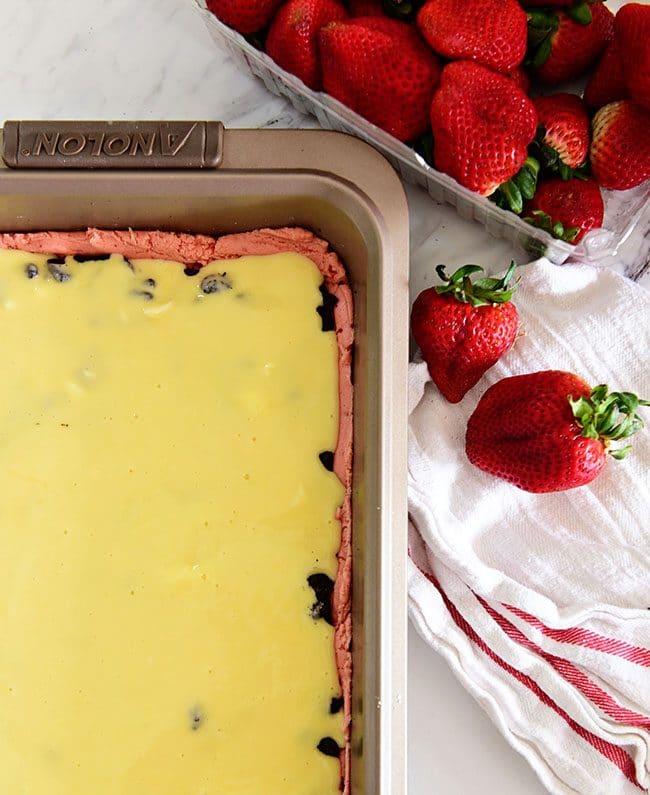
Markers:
point(544, 221)
point(402, 9)
point(511, 195)
point(580, 13)
point(482, 292)
point(609, 417)
point(541, 26)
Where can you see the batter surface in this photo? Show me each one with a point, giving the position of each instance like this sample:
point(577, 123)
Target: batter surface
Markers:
point(163, 503)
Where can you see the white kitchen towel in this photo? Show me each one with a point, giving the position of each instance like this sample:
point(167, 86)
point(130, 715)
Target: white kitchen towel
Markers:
point(541, 602)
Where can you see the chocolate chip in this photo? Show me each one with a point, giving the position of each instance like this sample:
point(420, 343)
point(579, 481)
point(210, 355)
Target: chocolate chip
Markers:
point(129, 264)
point(53, 266)
point(329, 747)
point(144, 294)
point(216, 283)
point(326, 310)
point(150, 282)
point(91, 257)
point(322, 586)
point(31, 270)
point(56, 261)
point(191, 270)
point(327, 460)
point(196, 718)
point(336, 705)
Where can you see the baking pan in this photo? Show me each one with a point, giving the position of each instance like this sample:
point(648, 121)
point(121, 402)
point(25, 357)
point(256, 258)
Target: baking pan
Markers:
point(623, 209)
point(346, 193)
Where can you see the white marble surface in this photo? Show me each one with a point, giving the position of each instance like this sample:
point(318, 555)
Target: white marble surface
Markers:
point(154, 59)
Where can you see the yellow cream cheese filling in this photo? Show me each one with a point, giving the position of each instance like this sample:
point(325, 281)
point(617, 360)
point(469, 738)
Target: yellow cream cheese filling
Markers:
point(162, 506)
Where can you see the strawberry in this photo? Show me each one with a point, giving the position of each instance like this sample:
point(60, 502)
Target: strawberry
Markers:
point(567, 210)
point(381, 69)
point(463, 328)
point(607, 81)
point(620, 146)
point(562, 49)
point(292, 40)
point(632, 27)
point(564, 140)
point(482, 125)
point(549, 431)
point(245, 16)
point(490, 32)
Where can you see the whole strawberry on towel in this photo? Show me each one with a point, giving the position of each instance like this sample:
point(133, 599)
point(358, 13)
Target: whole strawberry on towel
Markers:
point(549, 431)
point(463, 328)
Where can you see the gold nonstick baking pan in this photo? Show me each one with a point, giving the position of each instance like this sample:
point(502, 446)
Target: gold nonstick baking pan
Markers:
point(197, 177)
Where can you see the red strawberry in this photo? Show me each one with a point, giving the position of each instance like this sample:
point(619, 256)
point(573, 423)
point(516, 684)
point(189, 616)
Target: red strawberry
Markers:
point(490, 32)
point(620, 146)
point(562, 49)
point(245, 16)
point(549, 431)
point(292, 40)
point(482, 125)
point(633, 32)
point(381, 69)
point(567, 210)
point(463, 328)
point(565, 142)
point(607, 81)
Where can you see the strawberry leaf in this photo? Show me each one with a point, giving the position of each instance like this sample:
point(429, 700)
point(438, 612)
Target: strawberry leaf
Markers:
point(608, 416)
point(619, 453)
point(541, 25)
point(482, 292)
point(544, 221)
point(542, 52)
point(580, 13)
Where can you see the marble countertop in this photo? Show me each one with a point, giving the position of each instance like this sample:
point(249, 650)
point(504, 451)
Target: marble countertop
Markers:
point(154, 59)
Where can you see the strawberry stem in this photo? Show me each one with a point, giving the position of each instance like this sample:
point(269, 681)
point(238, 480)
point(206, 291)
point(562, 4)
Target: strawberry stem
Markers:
point(608, 416)
point(482, 292)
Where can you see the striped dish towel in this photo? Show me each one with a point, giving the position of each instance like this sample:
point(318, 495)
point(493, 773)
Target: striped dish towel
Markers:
point(541, 603)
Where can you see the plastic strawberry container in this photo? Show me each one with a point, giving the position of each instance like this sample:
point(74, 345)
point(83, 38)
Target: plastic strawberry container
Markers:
point(622, 208)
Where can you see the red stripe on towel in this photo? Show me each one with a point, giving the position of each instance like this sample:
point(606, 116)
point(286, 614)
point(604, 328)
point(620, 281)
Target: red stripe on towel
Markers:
point(587, 638)
point(618, 756)
point(571, 673)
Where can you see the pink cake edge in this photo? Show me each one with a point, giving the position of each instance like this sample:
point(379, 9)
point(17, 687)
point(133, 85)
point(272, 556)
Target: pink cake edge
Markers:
point(191, 249)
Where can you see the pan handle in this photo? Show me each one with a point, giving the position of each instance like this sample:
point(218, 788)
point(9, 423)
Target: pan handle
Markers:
point(113, 144)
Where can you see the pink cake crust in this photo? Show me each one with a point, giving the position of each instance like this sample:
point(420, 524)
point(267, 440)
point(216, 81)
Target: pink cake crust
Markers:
point(200, 250)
